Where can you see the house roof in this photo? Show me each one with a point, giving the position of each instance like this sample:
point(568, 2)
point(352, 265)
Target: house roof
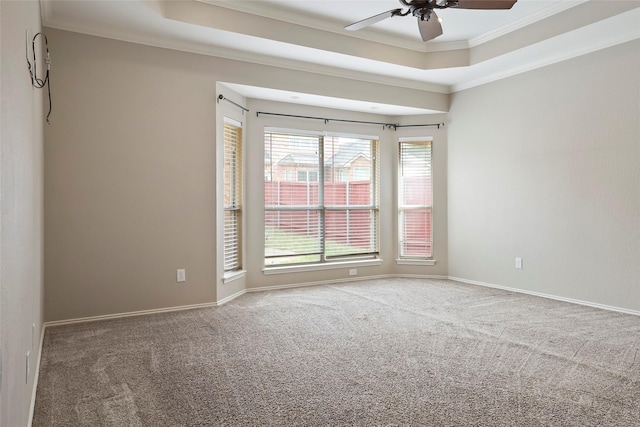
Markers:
point(299, 159)
point(347, 153)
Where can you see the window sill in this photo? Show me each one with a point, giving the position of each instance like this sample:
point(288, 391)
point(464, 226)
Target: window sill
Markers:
point(324, 266)
point(407, 261)
point(230, 276)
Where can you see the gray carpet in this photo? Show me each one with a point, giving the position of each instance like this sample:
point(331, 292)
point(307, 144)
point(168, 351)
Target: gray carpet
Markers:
point(375, 353)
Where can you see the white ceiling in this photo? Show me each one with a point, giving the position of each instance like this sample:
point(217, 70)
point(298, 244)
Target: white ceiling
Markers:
point(477, 46)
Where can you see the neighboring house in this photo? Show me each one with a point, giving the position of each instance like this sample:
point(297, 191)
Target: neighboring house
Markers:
point(297, 167)
point(351, 162)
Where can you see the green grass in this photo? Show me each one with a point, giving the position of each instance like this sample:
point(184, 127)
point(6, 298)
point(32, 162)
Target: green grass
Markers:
point(278, 240)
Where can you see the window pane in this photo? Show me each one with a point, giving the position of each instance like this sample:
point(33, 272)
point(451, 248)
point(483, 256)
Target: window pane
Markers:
point(287, 154)
point(415, 199)
point(348, 183)
point(415, 226)
point(292, 217)
point(292, 236)
point(350, 232)
point(231, 243)
point(348, 164)
point(311, 219)
point(232, 178)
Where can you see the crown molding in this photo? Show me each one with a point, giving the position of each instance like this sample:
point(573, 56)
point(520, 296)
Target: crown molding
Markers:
point(249, 57)
point(553, 9)
point(607, 40)
point(434, 46)
point(333, 26)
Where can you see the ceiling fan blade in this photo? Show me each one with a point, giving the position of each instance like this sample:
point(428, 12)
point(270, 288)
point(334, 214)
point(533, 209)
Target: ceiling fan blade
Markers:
point(372, 20)
point(431, 28)
point(485, 4)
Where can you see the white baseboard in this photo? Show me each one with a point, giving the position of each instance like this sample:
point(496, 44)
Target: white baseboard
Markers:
point(231, 297)
point(345, 280)
point(318, 283)
point(209, 304)
point(548, 296)
point(332, 282)
point(420, 276)
point(130, 314)
point(36, 375)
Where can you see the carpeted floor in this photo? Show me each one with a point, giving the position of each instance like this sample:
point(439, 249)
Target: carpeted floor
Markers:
point(374, 353)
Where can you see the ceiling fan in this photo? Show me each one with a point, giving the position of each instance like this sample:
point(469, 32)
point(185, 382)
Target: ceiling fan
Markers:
point(428, 22)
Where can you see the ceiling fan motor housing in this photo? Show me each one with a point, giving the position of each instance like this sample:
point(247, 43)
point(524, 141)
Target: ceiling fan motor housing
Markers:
point(423, 8)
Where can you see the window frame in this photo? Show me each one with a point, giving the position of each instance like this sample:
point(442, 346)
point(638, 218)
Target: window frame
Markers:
point(402, 208)
point(233, 183)
point(326, 260)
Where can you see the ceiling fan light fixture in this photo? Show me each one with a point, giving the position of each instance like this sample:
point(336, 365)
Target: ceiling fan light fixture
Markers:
point(425, 9)
point(423, 14)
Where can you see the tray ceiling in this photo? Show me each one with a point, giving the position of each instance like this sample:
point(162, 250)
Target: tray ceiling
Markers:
point(477, 46)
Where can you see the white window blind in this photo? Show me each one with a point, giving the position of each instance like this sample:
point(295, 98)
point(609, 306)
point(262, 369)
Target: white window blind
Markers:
point(232, 195)
point(330, 214)
point(415, 199)
point(351, 204)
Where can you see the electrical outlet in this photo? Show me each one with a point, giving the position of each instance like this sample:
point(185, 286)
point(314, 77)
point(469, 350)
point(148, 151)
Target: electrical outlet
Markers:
point(353, 272)
point(518, 263)
point(181, 275)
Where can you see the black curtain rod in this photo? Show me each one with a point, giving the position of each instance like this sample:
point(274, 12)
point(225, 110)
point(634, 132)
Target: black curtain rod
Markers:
point(438, 125)
point(393, 126)
point(222, 98)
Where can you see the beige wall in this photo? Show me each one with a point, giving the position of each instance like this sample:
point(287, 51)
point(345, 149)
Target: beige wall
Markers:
point(21, 272)
point(130, 175)
point(544, 166)
point(129, 179)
